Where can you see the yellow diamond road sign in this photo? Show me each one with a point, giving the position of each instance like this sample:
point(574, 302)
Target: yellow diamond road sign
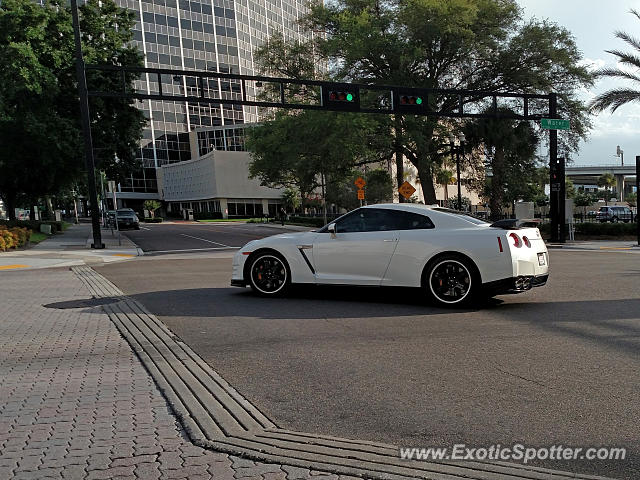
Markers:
point(360, 182)
point(406, 190)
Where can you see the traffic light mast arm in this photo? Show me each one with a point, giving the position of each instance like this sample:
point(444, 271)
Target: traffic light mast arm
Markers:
point(349, 96)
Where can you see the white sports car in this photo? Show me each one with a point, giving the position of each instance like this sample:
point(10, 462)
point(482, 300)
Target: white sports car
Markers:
point(453, 257)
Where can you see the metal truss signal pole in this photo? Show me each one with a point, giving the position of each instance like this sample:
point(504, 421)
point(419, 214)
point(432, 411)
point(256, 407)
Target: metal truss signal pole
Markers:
point(557, 181)
point(86, 130)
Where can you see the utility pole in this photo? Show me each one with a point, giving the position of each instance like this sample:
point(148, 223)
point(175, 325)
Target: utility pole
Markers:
point(637, 197)
point(86, 130)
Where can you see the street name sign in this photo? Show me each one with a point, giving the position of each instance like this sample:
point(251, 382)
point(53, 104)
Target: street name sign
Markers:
point(554, 124)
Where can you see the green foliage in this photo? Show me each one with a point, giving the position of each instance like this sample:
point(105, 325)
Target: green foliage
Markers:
point(40, 140)
point(468, 44)
point(296, 150)
point(632, 199)
point(343, 192)
point(291, 199)
point(152, 206)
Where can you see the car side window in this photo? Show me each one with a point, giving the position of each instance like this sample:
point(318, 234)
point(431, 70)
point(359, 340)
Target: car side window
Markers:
point(367, 220)
point(412, 221)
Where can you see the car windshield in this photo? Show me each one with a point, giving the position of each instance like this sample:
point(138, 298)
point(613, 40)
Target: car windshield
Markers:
point(466, 216)
point(603, 209)
point(126, 213)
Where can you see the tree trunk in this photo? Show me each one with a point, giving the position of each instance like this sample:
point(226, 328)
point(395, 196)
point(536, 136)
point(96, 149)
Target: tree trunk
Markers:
point(10, 203)
point(497, 190)
point(425, 175)
point(399, 154)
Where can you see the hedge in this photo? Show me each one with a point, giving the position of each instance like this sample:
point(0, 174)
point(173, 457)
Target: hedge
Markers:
point(309, 221)
point(153, 220)
point(207, 215)
point(13, 237)
point(598, 229)
point(32, 224)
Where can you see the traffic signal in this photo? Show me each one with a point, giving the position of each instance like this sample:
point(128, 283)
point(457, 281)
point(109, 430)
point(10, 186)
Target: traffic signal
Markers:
point(413, 100)
point(341, 97)
point(410, 100)
point(336, 96)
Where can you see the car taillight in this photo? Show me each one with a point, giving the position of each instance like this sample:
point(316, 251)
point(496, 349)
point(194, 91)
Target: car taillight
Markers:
point(526, 242)
point(515, 239)
point(500, 244)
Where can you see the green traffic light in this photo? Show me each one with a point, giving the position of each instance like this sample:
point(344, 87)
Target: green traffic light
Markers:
point(349, 97)
point(419, 100)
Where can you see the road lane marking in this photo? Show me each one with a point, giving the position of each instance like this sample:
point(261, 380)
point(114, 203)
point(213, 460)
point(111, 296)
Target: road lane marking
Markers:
point(205, 240)
point(615, 248)
point(122, 255)
point(9, 267)
point(145, 228)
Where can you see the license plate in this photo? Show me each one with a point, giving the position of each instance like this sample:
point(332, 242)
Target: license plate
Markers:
point(541, 259)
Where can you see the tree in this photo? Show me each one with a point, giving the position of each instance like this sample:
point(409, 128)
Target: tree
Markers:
point(628, 65)
point(152, 206)
point(569, 188)
point(607, 181)
point(466, 44)
point(584, 199)
point(318, 146)
point(445, 178)
point(632, 199)
point(291, 199)
point(343, 192)
point(40, 140)
point(509, 149)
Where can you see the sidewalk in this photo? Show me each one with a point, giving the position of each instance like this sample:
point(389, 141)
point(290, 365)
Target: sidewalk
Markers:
point(598, 245)
point(73, 247)
point(76, 403)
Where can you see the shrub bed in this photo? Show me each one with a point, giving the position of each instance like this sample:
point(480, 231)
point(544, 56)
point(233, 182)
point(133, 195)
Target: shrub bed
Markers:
point(207, 215)
point(308, 221)
point(13, 237)
point(153, 220)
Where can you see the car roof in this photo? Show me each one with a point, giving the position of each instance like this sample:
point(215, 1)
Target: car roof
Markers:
point(439, 215)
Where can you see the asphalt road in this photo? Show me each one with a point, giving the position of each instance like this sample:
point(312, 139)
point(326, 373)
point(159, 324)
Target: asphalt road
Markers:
point(558, 365)
point(183, 238)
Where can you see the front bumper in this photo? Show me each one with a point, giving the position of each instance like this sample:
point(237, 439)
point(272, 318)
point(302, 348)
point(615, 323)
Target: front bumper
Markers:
point(519, 284)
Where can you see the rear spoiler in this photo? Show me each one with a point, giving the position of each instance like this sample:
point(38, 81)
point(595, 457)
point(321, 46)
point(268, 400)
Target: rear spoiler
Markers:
point(516, 223)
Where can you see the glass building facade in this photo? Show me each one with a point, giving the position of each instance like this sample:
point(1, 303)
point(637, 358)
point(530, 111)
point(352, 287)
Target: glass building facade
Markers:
point(213, 35)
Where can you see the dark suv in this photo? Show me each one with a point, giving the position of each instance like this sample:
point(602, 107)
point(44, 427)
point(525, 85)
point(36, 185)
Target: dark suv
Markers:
point(614, 214)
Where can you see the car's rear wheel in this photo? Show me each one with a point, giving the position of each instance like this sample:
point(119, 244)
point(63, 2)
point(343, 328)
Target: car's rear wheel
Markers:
point(451, 281)
point(269, 274)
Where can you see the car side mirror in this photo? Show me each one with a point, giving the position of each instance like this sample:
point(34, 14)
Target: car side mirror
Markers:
point(331, 228)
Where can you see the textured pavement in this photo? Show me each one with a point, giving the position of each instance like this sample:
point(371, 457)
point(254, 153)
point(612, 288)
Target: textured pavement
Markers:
point(76, 403)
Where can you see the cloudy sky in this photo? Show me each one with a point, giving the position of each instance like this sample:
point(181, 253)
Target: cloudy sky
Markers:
point(593, 23)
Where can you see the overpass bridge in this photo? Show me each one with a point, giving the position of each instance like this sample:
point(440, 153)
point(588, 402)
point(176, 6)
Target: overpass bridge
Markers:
point(588, 175)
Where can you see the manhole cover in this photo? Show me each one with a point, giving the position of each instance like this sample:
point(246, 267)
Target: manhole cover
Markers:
point(82, 303)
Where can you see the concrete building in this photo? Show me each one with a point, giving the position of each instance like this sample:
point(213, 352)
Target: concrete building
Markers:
point(215, 183)
point(213, 35)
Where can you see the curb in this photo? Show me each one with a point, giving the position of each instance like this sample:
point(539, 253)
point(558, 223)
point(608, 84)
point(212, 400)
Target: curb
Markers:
point(216, 416)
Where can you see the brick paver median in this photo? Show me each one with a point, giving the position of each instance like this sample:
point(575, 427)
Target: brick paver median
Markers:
point(76, 403)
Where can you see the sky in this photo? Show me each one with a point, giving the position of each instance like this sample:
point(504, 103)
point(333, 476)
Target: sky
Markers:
point(593, 24)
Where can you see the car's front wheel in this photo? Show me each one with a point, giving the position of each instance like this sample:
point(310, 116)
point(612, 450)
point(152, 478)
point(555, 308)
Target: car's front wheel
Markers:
point(269, 274)
point(451, 281)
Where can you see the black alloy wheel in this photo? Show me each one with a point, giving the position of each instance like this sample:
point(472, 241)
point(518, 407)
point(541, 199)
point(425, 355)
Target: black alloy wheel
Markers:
point(450, 281)
point(269, 275)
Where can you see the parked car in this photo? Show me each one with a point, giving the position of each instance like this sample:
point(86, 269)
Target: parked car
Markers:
point(614, 214)
point(127, 218)
point(451, 256)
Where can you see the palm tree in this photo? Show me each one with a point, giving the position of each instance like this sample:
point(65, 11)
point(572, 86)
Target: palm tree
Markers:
point(445, 178)
point(617, 97)
point(607, 181)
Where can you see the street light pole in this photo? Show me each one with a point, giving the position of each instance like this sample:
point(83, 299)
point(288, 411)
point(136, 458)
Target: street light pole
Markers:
point(86, 130)
point(461, 137)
